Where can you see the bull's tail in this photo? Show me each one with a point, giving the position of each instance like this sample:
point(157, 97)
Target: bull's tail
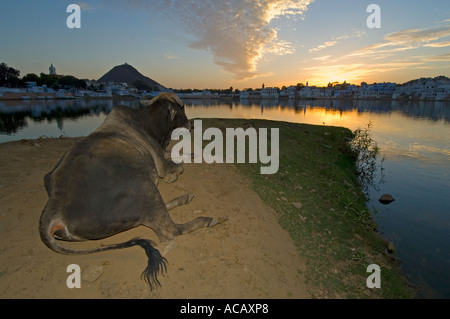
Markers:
point(156, 263)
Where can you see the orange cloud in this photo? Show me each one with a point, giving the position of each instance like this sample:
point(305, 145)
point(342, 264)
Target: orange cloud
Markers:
point(237, 33)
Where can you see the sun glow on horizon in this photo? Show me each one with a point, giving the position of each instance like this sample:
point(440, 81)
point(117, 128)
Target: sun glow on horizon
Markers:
point(240, 44)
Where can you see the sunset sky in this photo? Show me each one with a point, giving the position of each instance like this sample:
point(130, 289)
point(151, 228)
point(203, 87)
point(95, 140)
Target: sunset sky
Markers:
point(218, 44)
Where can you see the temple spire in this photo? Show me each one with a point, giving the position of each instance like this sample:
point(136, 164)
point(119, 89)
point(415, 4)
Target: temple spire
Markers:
point(52, 69)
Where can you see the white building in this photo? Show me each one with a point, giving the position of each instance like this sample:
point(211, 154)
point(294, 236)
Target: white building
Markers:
point(435, 89)
point(244, 94)
point(376, 90)
point(269, 93)
point(290, 92)
point(312, 92)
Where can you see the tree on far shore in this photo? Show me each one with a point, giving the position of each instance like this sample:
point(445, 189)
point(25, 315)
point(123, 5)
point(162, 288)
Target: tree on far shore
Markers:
point(69, 81)
point(8, 76)
point(49, 80)
point(31, 77)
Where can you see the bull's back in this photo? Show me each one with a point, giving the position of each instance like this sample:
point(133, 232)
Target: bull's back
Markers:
point(94, 188)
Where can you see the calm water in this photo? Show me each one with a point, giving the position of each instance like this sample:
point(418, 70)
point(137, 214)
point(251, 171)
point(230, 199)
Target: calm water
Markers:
point(414, 138)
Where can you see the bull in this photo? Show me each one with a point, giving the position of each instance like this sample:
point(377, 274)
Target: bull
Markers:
point(107, 183)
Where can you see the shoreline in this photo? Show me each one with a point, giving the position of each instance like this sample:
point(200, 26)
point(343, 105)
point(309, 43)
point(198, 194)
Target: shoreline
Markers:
point(305, 201)
point(249, 256)
point(27, 96)
point(337, 243)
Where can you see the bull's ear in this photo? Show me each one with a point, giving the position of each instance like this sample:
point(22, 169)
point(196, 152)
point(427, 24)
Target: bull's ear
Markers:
point(173, 112)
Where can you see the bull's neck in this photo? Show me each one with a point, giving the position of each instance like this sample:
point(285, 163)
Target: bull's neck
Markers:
point(158, 125)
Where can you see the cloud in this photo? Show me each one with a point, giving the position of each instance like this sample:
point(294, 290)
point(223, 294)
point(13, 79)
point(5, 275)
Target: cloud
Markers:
point(84, 6)
point(281, 47)
point(397, 51)
point(323, 46)
point(438, 44)
point(441, 57)
point(417, 36)
point(322, 58)
point(237, 33)
point(354, 34)
point(376, 51)
point(170, 56)
point(406, 40)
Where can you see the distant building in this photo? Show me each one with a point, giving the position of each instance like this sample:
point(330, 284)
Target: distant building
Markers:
point(52, 72)
point(269, 92)
point(437, 89)
point(290, 92)
point(30, 84)
point(52, 69)
point(377, 90)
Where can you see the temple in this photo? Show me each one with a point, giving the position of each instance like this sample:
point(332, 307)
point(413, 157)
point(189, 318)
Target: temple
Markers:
point(52, 69)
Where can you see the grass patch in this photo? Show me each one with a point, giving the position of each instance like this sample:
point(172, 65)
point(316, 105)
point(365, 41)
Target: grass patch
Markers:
point(319, 201)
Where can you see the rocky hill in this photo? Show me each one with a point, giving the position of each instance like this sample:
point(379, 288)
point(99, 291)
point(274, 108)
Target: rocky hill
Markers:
point(126, 73)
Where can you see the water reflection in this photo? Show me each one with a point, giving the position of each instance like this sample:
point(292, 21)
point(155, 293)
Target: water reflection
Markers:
point(413, 136)
point(15, 115)
point(423, 109)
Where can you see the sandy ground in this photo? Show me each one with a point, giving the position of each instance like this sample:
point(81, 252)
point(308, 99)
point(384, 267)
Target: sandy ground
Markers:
point(248, 256)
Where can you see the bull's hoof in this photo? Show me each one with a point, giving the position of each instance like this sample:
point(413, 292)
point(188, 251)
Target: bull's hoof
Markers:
point(171, 178)
point(189, 198)
point(179, 170)
point(215, 222)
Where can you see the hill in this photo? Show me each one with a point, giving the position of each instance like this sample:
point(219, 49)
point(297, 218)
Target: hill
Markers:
point(128, 74)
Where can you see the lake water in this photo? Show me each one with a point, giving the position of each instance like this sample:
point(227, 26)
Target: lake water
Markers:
point(414, 138)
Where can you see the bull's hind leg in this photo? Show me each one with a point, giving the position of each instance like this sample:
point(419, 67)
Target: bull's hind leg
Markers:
point(156, 213)
point(179, 201)
point(161, 222)
point(167, 229)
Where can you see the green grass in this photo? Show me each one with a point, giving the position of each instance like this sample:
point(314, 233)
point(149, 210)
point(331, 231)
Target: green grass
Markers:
point(333, 229)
